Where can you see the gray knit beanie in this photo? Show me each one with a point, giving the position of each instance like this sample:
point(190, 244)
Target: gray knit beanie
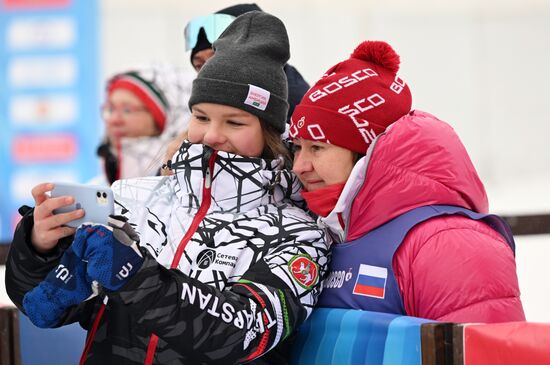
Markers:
point(246, 71)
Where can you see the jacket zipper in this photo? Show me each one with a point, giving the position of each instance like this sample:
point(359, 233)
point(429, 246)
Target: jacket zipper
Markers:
point(118, 167)
point(90, 338)
point(201, 213)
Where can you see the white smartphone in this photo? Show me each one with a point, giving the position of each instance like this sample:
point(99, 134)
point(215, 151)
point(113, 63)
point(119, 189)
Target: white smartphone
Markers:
point(97, 202)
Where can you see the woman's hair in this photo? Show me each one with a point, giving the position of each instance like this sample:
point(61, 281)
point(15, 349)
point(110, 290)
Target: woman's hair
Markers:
point(274, 145)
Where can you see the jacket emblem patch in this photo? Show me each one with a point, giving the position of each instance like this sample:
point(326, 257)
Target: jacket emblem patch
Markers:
point(371, 281)
point(304, 270)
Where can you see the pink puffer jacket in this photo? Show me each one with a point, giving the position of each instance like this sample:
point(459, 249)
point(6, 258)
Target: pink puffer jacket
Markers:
point(448, 268)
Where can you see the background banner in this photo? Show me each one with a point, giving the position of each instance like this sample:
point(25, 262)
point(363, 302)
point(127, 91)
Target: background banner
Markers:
point(49, 98)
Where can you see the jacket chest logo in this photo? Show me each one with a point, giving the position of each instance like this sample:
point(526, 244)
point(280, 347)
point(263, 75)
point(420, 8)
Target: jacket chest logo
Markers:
point(304, 270)
point(209, 256)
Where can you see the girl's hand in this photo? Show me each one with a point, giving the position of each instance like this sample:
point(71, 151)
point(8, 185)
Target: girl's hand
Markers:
point(48, 227)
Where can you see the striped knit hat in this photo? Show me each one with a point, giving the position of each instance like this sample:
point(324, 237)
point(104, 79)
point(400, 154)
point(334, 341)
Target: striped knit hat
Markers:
point(146, 91)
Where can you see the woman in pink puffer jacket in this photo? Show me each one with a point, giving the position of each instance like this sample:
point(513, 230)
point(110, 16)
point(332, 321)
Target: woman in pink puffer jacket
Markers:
point(402, 200)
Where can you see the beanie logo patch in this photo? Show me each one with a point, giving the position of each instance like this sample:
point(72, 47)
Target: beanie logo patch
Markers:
point(257, 97)
point(398, 85)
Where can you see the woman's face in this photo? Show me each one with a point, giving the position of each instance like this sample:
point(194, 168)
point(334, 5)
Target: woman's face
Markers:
point(125, 115)
point(225, 128)
point(319, 164)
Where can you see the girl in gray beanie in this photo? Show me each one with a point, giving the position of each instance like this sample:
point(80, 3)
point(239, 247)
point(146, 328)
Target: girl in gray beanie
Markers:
point(247, 73)
point(227, 266)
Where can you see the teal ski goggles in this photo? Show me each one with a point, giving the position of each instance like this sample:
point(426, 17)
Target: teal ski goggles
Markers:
point(213, 25)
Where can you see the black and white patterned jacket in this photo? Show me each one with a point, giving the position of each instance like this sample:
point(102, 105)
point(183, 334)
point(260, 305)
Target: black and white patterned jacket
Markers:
point(231, 268)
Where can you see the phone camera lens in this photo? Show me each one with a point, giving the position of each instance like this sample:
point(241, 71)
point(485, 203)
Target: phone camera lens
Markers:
point(104, 195)
point(98, 194)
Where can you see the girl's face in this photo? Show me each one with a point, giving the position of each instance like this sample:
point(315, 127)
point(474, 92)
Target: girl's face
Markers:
point(125, 115)
point(225, 128)
point(319, 164)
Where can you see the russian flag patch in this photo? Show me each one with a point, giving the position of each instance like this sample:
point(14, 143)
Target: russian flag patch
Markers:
point(371, 281)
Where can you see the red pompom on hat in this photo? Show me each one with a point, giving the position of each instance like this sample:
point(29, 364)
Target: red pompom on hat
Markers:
point(356, 100)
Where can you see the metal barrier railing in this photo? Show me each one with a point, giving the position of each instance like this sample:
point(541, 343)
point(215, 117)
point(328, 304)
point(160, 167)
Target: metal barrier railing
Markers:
point(4, 247)
point(529, 224)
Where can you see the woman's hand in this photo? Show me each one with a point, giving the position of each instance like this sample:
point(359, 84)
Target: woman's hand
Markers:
point(48, 227)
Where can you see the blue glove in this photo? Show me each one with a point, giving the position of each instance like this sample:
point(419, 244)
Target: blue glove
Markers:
point(64, 286)
point(110, 251)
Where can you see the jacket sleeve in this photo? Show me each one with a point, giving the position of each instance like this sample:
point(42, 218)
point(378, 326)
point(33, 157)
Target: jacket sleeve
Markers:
point(26, 268)
point(458, 270)
point(242, 321)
